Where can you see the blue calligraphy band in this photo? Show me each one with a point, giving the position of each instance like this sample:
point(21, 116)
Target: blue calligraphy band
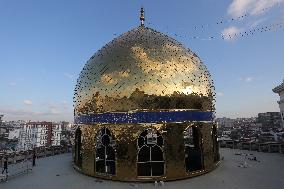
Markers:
point(144, 117)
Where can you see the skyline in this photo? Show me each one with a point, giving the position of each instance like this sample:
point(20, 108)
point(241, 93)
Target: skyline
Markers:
point(46, 44)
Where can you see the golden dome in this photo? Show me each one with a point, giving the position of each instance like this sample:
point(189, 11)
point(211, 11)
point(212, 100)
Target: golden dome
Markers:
point(144, 110)
point(143, 69)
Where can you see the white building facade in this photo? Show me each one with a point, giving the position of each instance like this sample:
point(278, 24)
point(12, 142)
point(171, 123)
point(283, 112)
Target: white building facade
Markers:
point(31, 136)
point(14, 134)
point(56, 134)
point(39, 134)
point(280, 90)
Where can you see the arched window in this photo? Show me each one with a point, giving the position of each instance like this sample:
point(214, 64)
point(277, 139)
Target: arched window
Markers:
point(105, 152)
point(78, 146)
point(193, 149)
point(150, 154)
point(215, 143)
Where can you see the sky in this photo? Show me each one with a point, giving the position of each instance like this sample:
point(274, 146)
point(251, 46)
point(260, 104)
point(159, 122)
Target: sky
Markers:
point(45, 44)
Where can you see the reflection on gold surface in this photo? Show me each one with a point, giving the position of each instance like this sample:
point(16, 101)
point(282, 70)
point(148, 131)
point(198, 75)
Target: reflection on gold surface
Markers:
point(142, 63)
point(138, 100)
point(144, 70)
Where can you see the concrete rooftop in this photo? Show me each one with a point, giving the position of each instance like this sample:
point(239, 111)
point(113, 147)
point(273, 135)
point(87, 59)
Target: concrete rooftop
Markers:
point(56, 172)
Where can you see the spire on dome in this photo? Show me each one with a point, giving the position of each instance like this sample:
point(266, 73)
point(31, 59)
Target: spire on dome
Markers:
point(142, 17)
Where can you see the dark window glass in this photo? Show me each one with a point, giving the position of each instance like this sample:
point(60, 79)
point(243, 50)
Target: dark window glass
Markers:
point(156, 153)
point(105, 140)
point(144, 169)
point(215, 144)
point(141, 142)
point(160, 141)
point(100, 152)
point(100, 166)
point(110, 167)
point(193, 149)
point(150, 154)
point(110, 153)
point(78, 144)
point(144, 154)
point(105, 152)
point(157, 168)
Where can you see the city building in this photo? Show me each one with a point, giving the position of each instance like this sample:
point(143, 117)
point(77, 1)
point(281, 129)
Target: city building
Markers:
point(21, 135)
point(1, 116)
point(35, 134)
point(144, 109)
point(39, 134)
point(280, 90)
point(56, 134)
point(270, 120)
point(14, 134)
point(225, 122)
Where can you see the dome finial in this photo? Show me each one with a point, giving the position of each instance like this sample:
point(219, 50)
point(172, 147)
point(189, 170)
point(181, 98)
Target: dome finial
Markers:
point(142, 17)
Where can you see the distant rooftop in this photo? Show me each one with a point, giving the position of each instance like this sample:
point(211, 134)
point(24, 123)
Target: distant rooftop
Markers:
point(56, 172)
point(279, 88)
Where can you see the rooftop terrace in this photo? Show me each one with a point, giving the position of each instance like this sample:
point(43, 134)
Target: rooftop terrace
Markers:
point(235, 171)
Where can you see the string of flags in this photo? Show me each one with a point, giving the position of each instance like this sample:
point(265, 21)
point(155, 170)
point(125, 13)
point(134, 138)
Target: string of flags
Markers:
point(237, 19)
point(253, 31)
point(229, 21)
point(216, 36)
point(234, 35)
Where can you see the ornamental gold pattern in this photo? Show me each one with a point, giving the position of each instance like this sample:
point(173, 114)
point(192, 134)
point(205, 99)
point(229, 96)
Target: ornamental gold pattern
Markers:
point(144, 110)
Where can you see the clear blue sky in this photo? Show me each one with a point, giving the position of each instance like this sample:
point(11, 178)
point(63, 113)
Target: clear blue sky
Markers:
point(45, 44)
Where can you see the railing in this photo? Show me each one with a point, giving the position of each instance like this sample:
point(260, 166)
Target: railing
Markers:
point(271, 147)
point(16, 169)
point(21, 162)
point(14, 157)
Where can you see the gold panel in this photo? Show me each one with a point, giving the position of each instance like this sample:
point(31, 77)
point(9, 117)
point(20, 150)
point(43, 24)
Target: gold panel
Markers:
point(126, 150)
point(144, 70)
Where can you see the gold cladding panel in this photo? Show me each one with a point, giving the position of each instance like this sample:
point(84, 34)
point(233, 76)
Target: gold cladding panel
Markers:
point(126, 150)
point(143, 69)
